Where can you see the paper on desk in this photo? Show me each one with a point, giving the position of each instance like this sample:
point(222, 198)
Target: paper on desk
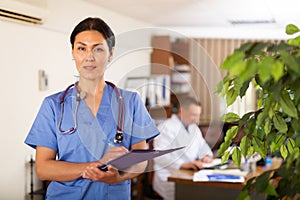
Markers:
point(209, 175)
point(236, 172)
point(215, 161)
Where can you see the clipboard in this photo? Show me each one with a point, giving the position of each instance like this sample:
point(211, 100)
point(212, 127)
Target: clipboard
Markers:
point(135, 156)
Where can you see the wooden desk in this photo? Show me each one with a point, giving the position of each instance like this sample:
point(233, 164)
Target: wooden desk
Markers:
point(186, 188)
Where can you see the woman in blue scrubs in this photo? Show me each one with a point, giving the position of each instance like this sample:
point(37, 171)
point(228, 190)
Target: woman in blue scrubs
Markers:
point(74, 130)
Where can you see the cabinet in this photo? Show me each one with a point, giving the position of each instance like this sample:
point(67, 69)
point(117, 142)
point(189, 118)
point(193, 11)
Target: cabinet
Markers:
point(172, 58)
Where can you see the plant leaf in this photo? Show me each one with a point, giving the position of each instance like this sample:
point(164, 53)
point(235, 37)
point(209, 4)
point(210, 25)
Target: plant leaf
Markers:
point(259, 146)
point(244, 195)
point(277, 142)
point(287, 105)
point(250, 71)
point(246, 46)
point(223, 147)
point(231, 133)
point(231, 96)
point(265, 69)
point(230, 117)
point(245, 118)
point(232, 60)
point(260, 119)
point(291, 145)
point(251, 151)
point(236, 156)
point(296, 125)
point(225, 157)
point(222, 86)
point(277, 70)
point(262, 181)
point(283, 151)
point(294, 41)
point(244, 145)
point(280, 124)
point(244, 88)
point(237, 68)
point(270, 190)
point(291, 29)
point(267, 126)
point(258, 48)
point(290, 61)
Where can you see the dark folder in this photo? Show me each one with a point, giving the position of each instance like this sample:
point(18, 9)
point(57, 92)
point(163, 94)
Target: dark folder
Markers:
point(135, 156)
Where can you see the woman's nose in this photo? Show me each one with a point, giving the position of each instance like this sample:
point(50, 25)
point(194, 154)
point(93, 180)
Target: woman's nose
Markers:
point(90, 56)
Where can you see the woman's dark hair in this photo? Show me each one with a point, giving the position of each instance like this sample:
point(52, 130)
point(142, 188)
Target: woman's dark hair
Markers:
point(94, 24)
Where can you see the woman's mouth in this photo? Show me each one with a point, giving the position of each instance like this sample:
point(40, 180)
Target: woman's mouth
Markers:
point(89, 67)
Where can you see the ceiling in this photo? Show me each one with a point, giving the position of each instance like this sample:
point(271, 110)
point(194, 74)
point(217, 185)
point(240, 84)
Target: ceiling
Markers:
point(208, 13)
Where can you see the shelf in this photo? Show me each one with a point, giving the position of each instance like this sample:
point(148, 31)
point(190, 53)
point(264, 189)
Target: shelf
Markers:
point(160, 112)
point(172, 58)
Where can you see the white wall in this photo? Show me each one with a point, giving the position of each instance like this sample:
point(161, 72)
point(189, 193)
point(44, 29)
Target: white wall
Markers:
point(24, 50)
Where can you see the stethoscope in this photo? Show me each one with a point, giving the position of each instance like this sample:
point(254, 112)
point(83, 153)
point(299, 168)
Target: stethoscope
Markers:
point(81, 95)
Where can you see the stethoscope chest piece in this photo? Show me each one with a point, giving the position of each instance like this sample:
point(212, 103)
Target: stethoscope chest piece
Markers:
point(118, 137)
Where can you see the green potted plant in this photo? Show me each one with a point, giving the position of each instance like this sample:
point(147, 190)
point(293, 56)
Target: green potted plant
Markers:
point(274, 69)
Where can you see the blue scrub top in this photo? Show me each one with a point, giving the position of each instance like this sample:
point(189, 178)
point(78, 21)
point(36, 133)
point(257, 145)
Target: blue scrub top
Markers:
point(90, 140)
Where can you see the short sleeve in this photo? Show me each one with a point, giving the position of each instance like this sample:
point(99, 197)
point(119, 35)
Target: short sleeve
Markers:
point(43, 130)
point(143, 127)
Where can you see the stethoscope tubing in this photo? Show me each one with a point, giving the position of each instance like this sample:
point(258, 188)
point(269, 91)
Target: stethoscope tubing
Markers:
point(119, 135)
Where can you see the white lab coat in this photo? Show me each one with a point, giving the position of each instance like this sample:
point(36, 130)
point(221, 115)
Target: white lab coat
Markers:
point(173, 134)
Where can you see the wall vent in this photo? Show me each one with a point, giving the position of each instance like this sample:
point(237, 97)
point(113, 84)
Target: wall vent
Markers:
point(250, 22)
point(23, 11)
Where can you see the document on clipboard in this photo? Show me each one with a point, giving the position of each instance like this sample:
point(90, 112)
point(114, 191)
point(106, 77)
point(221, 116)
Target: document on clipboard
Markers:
point(135, 156)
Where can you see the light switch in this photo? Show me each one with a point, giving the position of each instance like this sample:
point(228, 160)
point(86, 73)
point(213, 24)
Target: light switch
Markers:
point(43, 80)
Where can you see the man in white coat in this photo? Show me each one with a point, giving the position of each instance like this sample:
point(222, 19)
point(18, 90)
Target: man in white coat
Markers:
point(180, 130)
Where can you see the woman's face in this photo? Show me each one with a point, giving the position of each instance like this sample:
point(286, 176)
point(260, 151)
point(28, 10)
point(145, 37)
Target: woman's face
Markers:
point(91, 55)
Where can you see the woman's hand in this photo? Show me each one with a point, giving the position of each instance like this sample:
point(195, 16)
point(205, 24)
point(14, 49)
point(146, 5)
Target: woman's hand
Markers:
point(111, 176)
point(113, 153)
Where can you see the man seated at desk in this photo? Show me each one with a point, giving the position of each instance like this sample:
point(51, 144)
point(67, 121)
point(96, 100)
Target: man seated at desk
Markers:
point(180, 130)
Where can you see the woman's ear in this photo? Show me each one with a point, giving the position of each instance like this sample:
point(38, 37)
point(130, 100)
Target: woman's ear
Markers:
point(72, 53)
point(111, 54)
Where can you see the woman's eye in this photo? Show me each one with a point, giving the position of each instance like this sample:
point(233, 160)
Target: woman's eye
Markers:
point(98, 49)
point(81, 48)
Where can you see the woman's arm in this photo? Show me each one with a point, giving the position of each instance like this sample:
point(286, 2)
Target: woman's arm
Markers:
point(48, 168)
